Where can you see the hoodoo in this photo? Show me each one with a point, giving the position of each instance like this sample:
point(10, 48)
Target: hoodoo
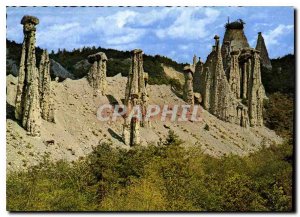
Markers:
point(135, 95)
point(261, 47)
point(46, 100)
point(188, 93)
point(230, 80)
point(27, 107)
point(97, 73)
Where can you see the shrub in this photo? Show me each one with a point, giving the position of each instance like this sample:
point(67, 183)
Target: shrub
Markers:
point(169, 177)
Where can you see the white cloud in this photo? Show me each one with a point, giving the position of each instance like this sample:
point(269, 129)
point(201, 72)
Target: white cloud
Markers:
point(272, 37)
point(118, 19)
point(64, 27)
point(187, 25)
point(125, 39)
point(108, 30)
point(184, 47)
point(170, 31)
point(58, 35)
point(128, 26)
point(154, 15)
point(114, 29)
point(261, 26)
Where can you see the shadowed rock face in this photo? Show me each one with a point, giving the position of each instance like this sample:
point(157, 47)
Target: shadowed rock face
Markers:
point(135, 95)
point(97, 73)
point(234, 39)
point(236, 96)
point(235, 35)
point(27, 108)
point(188, 93)
point(261, 47)
point(197, 76)
point(29, 20)
point(11, 67)
point(195, 61)
point(220, 98)
point(230, 79)
point(234, 75)
point(145, 99)
point(46, 101)
point(58, 70)
point(256, 92)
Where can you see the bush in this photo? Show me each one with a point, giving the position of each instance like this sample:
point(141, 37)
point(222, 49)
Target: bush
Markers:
point(279, 114)
point(168, 177)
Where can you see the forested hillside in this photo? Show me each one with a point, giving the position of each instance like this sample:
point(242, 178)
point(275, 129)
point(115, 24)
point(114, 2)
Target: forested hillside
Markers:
point(75, 61)
point(282, 76)
point(279, 84)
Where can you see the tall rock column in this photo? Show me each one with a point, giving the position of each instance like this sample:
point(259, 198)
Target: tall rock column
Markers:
point(46, 100)
point(244, 78)
point(188, 93)
point(255, 93)
point(194, 61)
point(245, 60)
point(242, 115)
point(145, 98)
point(261, 47)
point(135, 95)
point(205, 87)
point(234, 74)
point(97, 72)
point(198, 76)
point(221, 98)
point(27, 106)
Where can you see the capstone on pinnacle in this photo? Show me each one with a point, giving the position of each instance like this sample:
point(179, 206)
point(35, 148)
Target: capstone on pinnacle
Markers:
point(27, 106)
point(97, 73)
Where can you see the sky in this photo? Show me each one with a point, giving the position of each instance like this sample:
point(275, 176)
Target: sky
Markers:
point(175, 32)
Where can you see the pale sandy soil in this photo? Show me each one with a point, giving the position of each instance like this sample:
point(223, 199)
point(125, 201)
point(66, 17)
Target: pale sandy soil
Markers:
point(172, 73)
point(77, 128)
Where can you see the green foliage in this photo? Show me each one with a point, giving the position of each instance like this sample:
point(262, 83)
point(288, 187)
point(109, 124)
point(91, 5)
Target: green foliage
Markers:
point(206, 127)
point(275, 80)
point(175, 84)
point(168, 177)
point(169, 62)
point(279, 115)
point(15, 51)
point(119, 62)
point(9, 70)
point(116, 66)
point(172, 139)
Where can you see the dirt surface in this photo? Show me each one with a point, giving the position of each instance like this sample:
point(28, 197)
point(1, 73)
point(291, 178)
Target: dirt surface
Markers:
point(172, 73)
point(77, 129)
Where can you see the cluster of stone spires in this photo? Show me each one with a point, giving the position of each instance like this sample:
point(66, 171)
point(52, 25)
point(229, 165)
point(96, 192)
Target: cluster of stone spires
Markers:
point(34, 94)
point(33, 99)
point(230, 80)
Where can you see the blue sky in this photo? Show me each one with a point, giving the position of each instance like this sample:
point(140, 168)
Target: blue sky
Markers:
point(176, 32)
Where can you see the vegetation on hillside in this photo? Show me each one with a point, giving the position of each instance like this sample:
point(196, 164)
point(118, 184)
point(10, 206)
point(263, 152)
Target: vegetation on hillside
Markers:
point(15, 51)
point(167, 177)
point(119, 61)
point(279, 114)
point(279, 84)
point(282, 76)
